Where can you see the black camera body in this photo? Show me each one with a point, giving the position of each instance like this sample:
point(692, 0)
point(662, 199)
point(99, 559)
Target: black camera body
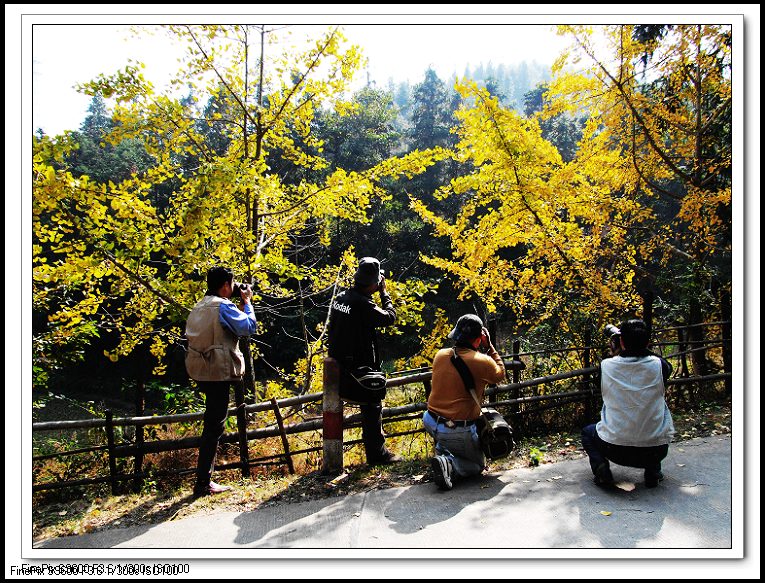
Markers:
point(238, 288)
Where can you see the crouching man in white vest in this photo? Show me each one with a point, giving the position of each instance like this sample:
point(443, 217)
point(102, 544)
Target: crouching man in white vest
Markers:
point(214, 360)
point(635, 426)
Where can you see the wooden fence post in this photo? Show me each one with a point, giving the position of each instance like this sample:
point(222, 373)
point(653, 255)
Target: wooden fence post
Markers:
point(491, 326)
point(684, 392)
point(427, 385)
point(726, 332)
point(589, 404)
point(682, 349)
point(241, 426)
point(140, 391)
point(112, 457)
point(285, 441)
point(332, 419)
point(516, 393)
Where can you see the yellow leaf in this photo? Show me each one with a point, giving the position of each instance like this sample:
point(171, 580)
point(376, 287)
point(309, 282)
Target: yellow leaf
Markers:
point(606, 513)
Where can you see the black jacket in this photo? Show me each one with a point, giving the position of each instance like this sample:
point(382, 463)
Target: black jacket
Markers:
point(352, 322)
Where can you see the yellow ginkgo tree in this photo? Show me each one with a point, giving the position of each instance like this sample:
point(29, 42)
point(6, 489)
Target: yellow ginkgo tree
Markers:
point(131, 256)
point(536, 235)
point(663, 95)
point(648, 190)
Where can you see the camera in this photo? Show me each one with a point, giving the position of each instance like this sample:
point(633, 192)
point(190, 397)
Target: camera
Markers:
point(239, 288)
point(612, 331)
point(614, 338)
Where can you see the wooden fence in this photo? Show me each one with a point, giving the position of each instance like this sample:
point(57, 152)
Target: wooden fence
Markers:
point(508, 396)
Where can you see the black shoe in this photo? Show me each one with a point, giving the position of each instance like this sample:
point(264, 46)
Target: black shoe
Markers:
point(652, 478)
point(389, 458)
point(442, 472)
point(603, 476)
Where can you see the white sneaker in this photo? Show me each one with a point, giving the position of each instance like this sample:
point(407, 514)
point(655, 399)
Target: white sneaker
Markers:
point(442, 471)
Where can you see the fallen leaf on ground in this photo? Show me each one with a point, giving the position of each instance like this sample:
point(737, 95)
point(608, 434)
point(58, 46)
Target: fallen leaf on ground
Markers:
point(680, 465)
point(339, 479)
point(606, 513)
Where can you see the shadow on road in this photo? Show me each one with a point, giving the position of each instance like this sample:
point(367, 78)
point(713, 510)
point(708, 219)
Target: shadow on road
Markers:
point(408, 513)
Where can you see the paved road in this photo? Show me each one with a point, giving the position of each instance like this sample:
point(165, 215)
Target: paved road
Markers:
point(552, 506)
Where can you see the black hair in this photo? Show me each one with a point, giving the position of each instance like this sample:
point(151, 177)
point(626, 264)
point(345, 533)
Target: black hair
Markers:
point(216, 277)
point(635, 335)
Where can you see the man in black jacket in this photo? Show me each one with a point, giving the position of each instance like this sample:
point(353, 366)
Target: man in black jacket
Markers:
point(353, 319)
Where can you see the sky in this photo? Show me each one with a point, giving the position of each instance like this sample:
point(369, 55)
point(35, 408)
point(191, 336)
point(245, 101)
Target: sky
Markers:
point(64, 55)
point(40, 73)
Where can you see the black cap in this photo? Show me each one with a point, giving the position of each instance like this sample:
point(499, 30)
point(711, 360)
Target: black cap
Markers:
point(368, 272)
point(468, 328)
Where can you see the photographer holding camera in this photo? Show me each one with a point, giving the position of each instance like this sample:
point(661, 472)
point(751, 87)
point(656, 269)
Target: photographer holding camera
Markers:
point(635, 426)
point(214, 360)
point(452, 411)
point(352, 341)
point(614, 339)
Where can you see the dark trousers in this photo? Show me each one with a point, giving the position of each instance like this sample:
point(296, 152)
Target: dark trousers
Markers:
point(372, 433)
point(600, 452)
point(216, 410)
point(371, 418)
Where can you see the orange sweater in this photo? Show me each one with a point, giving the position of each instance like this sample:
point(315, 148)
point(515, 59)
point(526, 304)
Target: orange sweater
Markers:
point(448, 396)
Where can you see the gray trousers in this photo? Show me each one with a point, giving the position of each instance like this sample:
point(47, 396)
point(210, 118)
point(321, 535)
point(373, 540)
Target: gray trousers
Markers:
point(459, 444)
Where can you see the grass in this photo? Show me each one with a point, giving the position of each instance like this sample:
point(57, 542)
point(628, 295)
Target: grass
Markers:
point(95, 509)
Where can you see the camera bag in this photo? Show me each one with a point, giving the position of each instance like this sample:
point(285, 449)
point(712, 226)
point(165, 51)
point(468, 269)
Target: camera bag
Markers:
point(362, 385)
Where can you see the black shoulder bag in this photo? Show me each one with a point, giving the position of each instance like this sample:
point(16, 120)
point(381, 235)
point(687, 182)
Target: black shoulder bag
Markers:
point(494, 432)
point(367, 384)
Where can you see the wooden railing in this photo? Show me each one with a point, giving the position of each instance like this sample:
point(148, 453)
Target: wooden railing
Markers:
point(333, 422)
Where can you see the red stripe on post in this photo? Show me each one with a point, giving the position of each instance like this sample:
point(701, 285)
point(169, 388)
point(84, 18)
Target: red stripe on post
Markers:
point(333, 425)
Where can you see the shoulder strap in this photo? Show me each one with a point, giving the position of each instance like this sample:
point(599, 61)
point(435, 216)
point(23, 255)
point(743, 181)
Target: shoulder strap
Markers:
point(463, 370)
point(467, 376)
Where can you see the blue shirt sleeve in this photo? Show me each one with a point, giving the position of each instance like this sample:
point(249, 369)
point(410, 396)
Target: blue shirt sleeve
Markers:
point(238, 322)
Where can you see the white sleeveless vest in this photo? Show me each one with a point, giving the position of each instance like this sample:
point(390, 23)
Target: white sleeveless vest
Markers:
point(634, 410)
point(214, 353)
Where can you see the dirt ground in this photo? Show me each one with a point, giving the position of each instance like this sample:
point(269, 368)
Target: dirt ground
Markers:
point(97, 510)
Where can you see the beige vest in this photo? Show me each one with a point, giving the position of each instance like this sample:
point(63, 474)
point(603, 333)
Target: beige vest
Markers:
point(214, 353)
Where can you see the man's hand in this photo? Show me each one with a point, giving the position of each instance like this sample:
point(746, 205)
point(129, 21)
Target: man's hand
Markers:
point(485, 339)
point(381, 285)
point(246, 295)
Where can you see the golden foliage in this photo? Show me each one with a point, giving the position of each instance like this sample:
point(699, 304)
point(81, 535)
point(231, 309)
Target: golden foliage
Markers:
point(130, 263)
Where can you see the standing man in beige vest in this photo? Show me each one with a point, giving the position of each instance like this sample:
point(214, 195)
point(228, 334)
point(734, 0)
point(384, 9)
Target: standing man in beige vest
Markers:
point(215, 361)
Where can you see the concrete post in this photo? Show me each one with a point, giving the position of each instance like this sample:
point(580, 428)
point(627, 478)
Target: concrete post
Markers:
point(333, 419)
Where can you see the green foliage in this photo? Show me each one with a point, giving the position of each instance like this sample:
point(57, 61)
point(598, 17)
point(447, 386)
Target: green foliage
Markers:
point(536, 455)
point(175, 398)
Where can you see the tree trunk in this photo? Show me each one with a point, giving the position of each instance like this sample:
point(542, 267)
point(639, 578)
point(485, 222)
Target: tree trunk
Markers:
point(648, 297)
